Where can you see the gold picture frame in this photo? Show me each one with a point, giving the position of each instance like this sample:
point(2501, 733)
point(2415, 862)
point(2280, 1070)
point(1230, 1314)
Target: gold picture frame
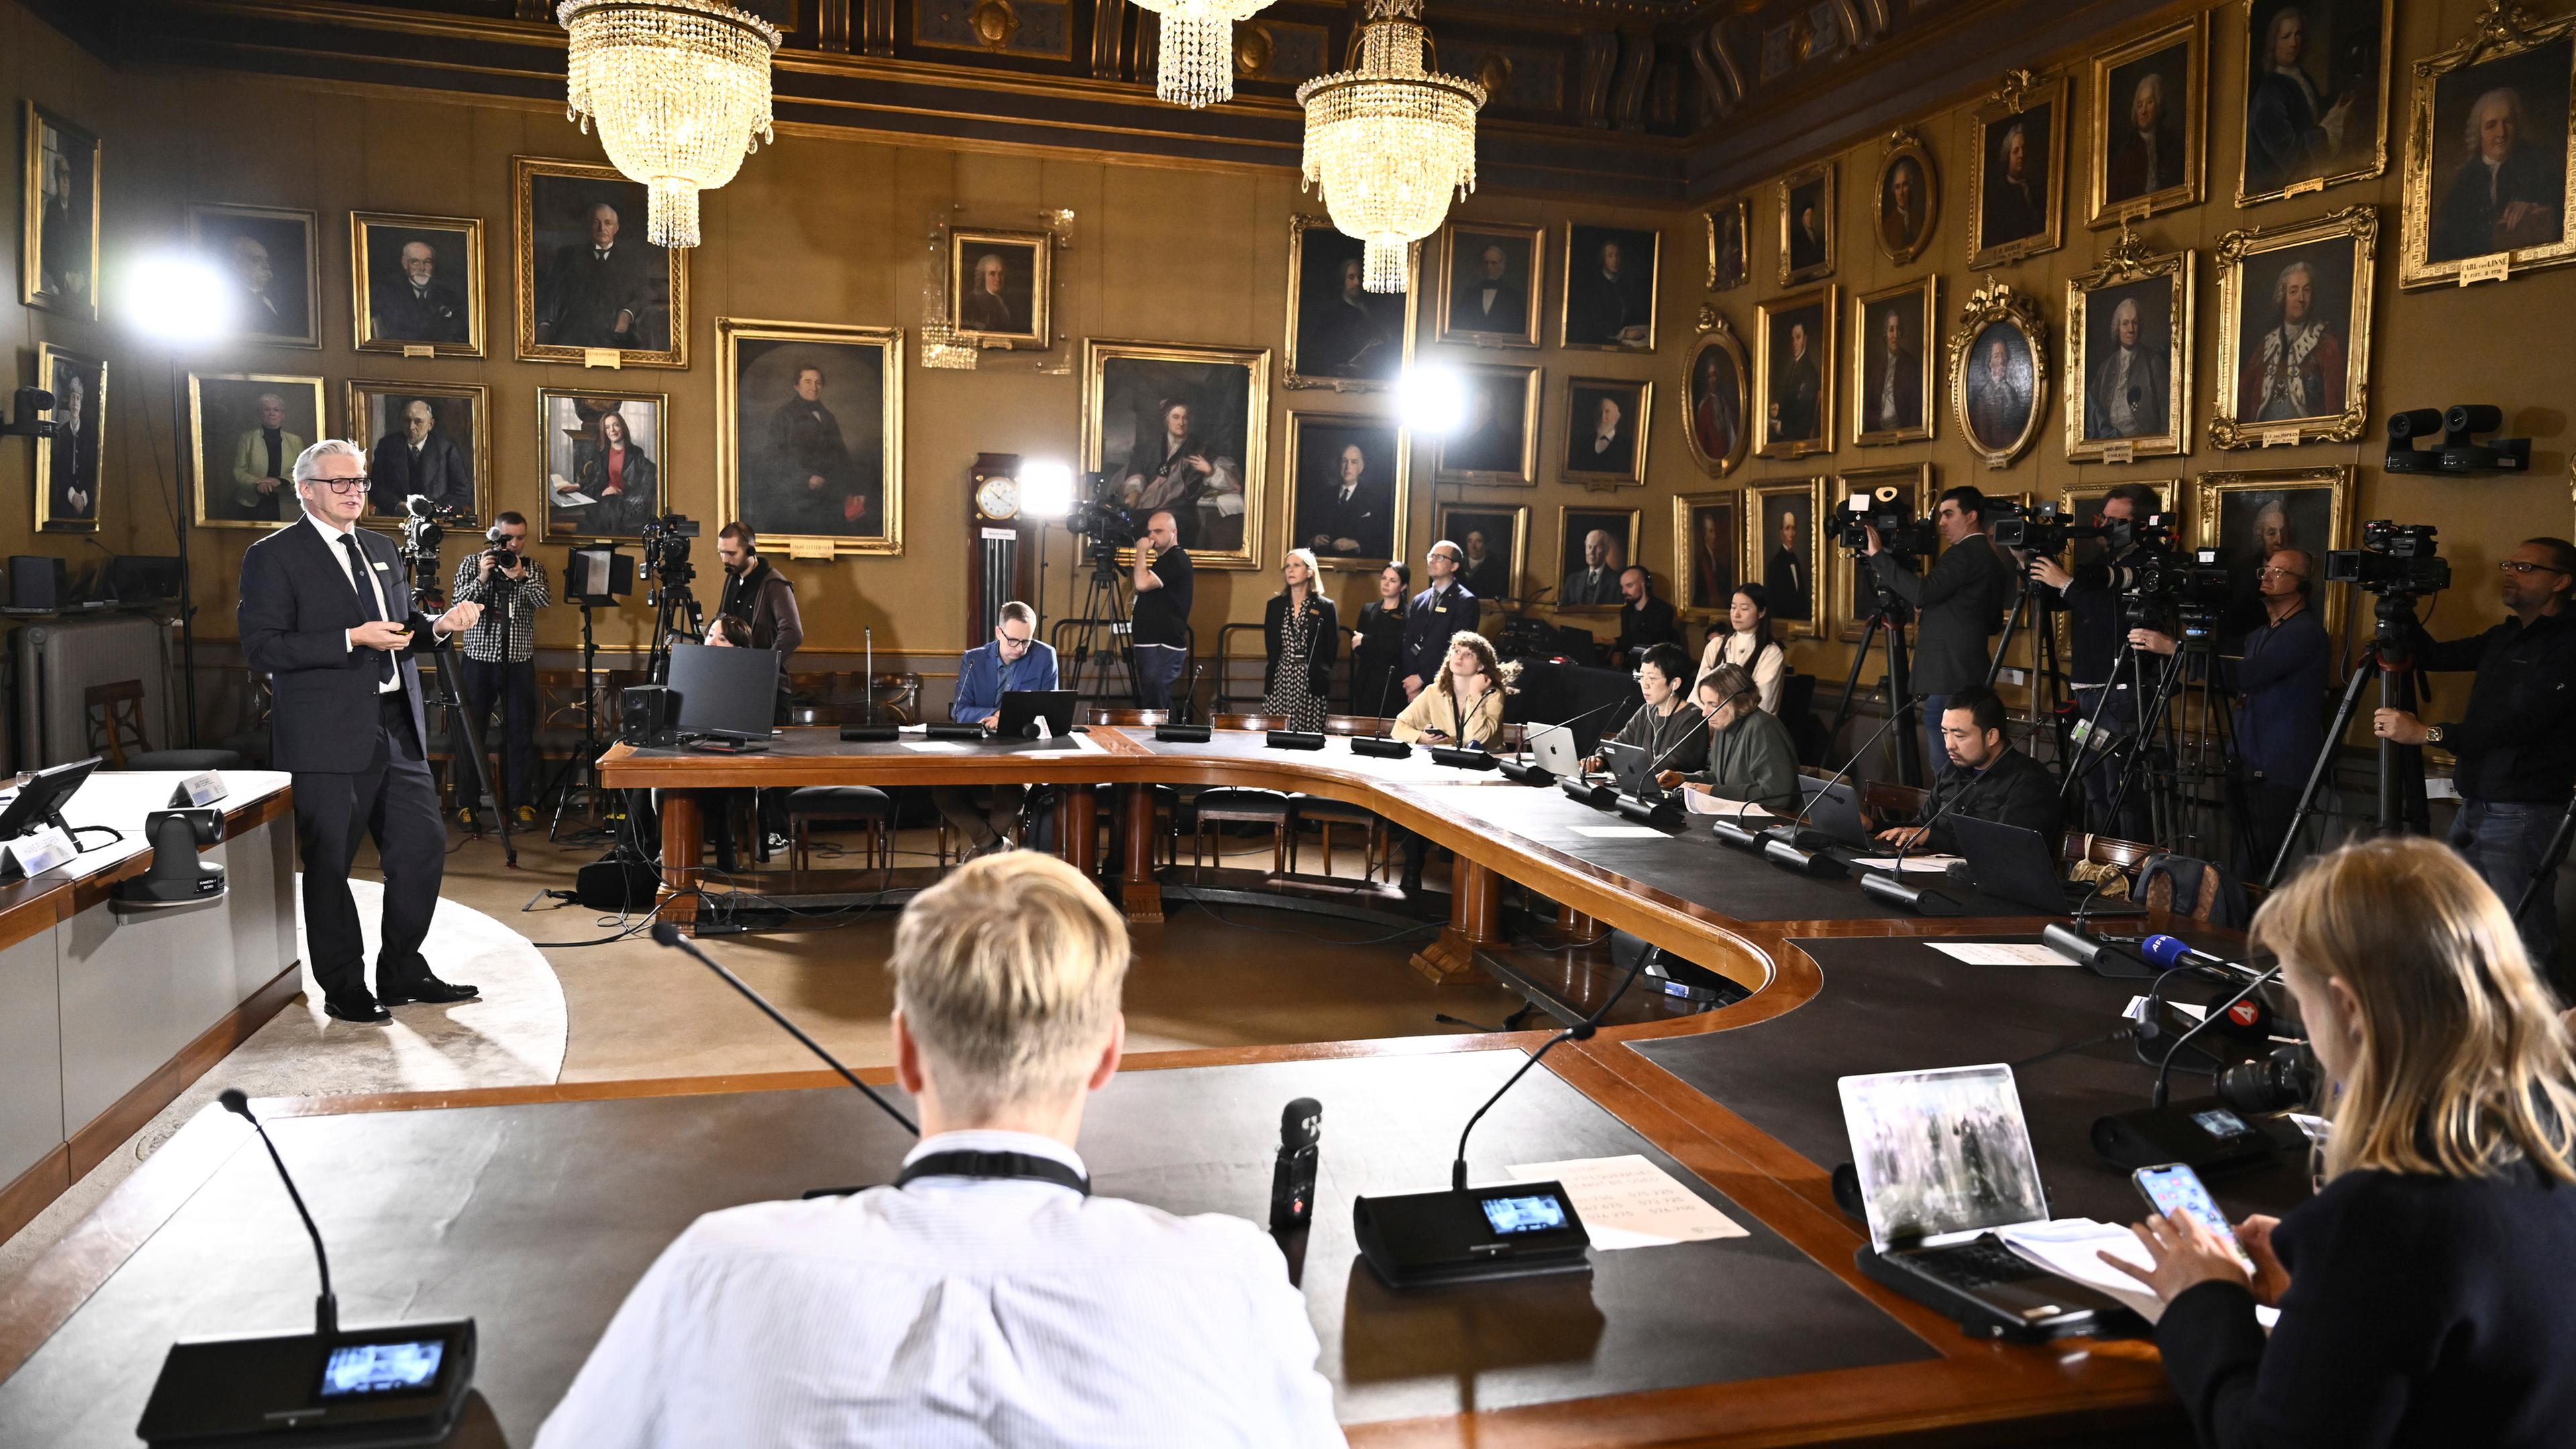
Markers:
point(2339, 255)
point(2297, 100)
point(1312, 437)
point(1608, 309)
point(1617, 467)
point(71, 169)
point(1717, 409)
point(379, 326)
point(760, 366)
point(1776, 436)
point(1842, 579)
point(368, 430)
point(226, 403)
point(2122, 79)
point(2128, 269)
point(1507, 466)
point(1228, 390)
point(1622, 524)
point(2224, 503)
point(545, 333)
point(2021, 99)
point(1309, 296)
point(1997, 315)
point(1807, 254)
point(1730, 243)
point(1459, 275)
point(70, 504)
point(1693, 513)
point(571, 428)
point(1871, 428)
point(1796, 599)
point(1038, 250)
point(1903, 236)
point(2448, 240)
point(287, 243)
point(1454, 520)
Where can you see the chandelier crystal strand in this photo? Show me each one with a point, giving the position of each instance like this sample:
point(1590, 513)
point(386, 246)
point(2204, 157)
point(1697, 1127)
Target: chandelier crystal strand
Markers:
point(1195, 64)
point(680, 90)
point(1388, 140)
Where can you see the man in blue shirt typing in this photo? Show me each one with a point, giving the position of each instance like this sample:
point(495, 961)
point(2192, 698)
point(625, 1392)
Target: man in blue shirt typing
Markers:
point(1014, 660)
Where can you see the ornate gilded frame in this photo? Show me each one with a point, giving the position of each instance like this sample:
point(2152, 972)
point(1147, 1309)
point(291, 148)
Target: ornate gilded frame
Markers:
point(1602, 482)
point(1928, 322)
point(1530, 379)
point(1041, 333)
point(2193, 35)
point(2226, 429)
point(1730, 499)
point(355, 393)
point(1556, 560)
point(309, 224)
point(1999, 302)
point(1757, 547)
point(1518, 581)
point(2210, 489)
point(1741, 208)
point(1716, 333)
point(31, 207)
point(1902, 144)
point(1298, 418)
point(1827, 335)
point(1784, 189)
point(2019, 91)
point(731, 333)
point(49, 361)
point(1654, 291)
point(362, 284)
point(524, 171)
point(2502, 30)
point(1298, 225)
point(542, 522)
point(1098, 353)
point(2378, 163)
point(1534, 300)
point(2125, 261)
point(197, 439)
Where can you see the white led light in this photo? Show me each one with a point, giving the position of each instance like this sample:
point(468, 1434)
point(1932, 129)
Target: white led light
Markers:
point(1046, 489)
point(1432, 399)
point(176, 297)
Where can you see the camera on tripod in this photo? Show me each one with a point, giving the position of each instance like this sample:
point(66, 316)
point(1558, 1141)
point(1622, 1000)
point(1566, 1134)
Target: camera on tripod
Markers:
point(2394, 559)
point(666, 547)
point(2193, 589)
point(1898, 531)
point(1103, 521)
point(425, 524)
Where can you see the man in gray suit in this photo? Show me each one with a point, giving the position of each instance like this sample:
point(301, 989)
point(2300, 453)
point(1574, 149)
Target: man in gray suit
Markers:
point(1959, 605)
point(2126, 397)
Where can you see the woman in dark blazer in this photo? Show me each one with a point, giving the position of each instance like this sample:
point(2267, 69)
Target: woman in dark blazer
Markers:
point(2428, 1291)
point(622, 478)
point(1377, 643)
point(1302, 633)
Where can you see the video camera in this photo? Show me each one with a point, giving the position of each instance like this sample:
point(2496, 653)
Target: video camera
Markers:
point(666, 547)
point(2394, 560)
point(1898, 532)
point(425, 524)
point(2049, 531)
point(31, 422)
point(2193, 590)
point(1103, 521)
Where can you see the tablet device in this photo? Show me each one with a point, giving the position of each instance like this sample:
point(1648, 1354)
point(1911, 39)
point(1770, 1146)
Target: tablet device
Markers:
point(1022, 706)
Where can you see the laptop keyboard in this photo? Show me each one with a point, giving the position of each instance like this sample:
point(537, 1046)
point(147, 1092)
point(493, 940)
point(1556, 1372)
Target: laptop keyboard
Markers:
point(1981, 1264)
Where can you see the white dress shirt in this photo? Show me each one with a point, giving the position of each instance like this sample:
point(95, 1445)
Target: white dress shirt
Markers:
point(956, 1312)
point(331, 540)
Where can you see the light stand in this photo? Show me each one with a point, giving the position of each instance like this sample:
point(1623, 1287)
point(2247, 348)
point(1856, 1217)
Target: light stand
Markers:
point(176, 300)
point(594, 578)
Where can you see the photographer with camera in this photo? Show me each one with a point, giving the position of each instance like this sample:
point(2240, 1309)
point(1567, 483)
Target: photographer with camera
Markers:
point(1959, 604)
point(2516, 742)
point(1161, 632)
point(501, 655)
point(2095, 617)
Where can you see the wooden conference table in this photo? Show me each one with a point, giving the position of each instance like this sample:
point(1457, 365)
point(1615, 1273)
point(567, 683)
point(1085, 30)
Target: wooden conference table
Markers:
point(535, 1209)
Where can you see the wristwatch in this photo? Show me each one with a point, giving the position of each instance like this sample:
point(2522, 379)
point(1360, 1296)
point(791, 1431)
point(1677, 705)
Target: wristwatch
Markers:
point(2432, 734)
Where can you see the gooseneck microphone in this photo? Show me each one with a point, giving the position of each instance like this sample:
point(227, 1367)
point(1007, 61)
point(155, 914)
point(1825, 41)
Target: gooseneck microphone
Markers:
point(2164, 1069)
point(1580, 1031)
point(1893, 716)
point(1292, 1179)
point(666, 934)
point(326, 1308)
point(2171, 952)
point(1381, 745)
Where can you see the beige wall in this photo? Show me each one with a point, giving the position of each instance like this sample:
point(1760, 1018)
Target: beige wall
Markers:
point(834, 229)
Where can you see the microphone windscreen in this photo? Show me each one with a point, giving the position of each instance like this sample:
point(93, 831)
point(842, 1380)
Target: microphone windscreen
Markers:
point(234, 1101)
point(665, 934)
point(2162, 950)
point(1300, 1123)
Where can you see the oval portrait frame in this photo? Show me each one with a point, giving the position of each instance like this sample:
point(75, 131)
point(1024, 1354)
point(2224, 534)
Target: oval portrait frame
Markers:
point(1715, 332)
point(1999, 302)
point(1903, 145)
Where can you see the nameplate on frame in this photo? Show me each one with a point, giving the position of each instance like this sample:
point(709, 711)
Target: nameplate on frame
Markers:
point(2123, 451)
point(2486, 269)
point(2281, 437)
point(606, 357)
point(2303, 188)
point(419, 349)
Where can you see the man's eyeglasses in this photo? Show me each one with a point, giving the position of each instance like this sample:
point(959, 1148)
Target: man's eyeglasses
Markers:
point(341, 485)
point(1021, 642)
point(2526, 567)
point(2285, 573)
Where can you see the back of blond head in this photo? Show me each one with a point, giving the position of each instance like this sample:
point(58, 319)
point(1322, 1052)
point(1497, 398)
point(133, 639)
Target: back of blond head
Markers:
point(2463, 1066)
point(1008, 973)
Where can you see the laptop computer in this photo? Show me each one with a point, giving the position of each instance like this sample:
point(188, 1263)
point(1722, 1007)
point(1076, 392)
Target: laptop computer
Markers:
point(1020, 707)
point(2013, 863)
point(1945, 1163)
point(1629, 766)
point(1553, 749)
point(1833, 807)
point(725, 692)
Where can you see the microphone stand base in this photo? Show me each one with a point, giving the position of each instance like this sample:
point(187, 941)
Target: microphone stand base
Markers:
point(1521, 774)
point(1380, 747)
point(270, 1388)
point(1896, 892)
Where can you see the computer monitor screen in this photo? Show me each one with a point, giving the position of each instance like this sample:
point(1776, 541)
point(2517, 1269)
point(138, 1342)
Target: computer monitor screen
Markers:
point(717, 690)
point(43, 796)
point(1941, 1152)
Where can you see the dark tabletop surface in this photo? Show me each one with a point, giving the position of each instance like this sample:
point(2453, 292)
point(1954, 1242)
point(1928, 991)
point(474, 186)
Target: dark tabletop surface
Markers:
point(1890, 1005)
point(536, 1220)
point(805, 742)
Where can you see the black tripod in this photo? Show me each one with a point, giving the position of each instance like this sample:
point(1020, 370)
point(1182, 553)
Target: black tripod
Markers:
point(580, 770)
point(1889, 616)
point(1107, 631)
point(419, 555)
point(676, 615)
point(2049, 688)
point(2391, 659)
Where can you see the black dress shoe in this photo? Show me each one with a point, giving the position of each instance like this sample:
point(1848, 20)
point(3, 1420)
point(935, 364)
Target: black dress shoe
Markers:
point(431, 990)
point(362, 1009)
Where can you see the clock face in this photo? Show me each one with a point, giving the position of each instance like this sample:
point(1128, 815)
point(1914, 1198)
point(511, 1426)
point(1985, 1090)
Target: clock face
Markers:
point(998, 497)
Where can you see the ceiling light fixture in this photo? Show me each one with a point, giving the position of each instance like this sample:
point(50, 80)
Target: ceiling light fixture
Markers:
point(680, 89)
point(1388, 139)
point(1195, 66)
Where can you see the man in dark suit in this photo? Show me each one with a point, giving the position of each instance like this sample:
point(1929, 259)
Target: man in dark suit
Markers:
point(75, 454)
point(822, 487)
point(2506, 194)
point(1985, 777)
point(1797, 391)
point(2146, 154)
point(1892, 399)
point(1436, 613)
point(1488, 299)
point(1349, 517)
point(597, 293)
point(416, 306)
point(1786, 575)
point(1610, 446)
point(327, 615)
point(2016, 199)
point(1487, 574)
point(1351, 333)
point(1958, 605)
point(1606, 302)
point(418, 459)
point(1594, 583)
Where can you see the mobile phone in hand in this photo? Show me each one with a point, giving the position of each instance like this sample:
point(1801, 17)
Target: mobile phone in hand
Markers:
point(2175, 1190)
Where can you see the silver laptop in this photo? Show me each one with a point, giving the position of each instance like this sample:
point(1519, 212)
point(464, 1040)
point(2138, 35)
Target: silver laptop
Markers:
point(1552, 749)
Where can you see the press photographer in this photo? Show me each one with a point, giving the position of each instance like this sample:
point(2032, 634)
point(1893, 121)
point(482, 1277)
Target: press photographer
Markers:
point(2096, 625)
point(2516, 742)
point(501, 655)
point(1960, 603)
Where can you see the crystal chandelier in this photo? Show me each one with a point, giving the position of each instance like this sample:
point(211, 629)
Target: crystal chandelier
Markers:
point(1387, 139)
point(680, 89)
point(1196, 64)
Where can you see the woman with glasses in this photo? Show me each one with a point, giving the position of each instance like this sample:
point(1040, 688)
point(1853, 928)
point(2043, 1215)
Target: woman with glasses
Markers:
point(2424, 1291)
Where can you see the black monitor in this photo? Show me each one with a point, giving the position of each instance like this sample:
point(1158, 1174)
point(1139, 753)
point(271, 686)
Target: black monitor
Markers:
point(1021, 706)
point(1833, 806)
point(42, 796)
point(1630, 766)
point(721, 691)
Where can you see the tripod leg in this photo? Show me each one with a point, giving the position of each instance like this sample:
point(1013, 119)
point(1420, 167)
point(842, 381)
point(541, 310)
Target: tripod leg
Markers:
point(1851, 685)
point(2317, 773)
point(473, 736)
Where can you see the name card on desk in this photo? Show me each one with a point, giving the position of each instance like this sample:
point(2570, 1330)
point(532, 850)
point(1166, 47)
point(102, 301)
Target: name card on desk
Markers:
point(198, 790)
point(36, 853)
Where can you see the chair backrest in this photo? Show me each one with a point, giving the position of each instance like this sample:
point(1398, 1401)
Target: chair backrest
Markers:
point(1881, 799)
point(114, 713)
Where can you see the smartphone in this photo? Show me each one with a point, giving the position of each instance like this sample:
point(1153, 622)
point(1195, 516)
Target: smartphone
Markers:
point(2175, 1188)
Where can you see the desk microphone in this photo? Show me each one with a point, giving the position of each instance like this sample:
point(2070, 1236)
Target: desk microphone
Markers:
point(1381, 746)
point(2203, 1134)
point(2171, 952)
point(1665, 809)
point(1891, 887)
point(666, 934)
point(1292, 1180)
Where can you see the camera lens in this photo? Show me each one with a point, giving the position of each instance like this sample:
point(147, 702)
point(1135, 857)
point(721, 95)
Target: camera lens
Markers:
point(2284, 1079)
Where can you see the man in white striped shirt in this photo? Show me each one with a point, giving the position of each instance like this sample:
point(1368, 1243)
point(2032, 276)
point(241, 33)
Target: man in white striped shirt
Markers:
point(987, 1299)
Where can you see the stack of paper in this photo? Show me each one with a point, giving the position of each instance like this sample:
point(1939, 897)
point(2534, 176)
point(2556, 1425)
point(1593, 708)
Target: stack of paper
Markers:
point(1709, 802)
point(1929, 864)
point(2070, 1248)
point(1629, 1202)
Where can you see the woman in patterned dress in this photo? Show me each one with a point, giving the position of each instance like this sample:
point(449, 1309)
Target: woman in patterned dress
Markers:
point(1304, 633)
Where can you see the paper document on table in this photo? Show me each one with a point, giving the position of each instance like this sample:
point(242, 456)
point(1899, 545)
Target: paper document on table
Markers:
point(1928, 864)
point(936, 747)
point(2067, 1248)
point(565, 495)
point(1709, 802)
point(1629, 1202)
point(1619, 832)
point(2000, 953)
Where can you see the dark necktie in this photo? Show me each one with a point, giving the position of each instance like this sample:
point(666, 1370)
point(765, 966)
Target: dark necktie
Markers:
point(367, 607)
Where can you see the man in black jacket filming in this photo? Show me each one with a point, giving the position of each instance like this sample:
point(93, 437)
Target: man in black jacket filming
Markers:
point(2516, 742)
point(1960, 605)
point(2097, 626)
point(1987, 779)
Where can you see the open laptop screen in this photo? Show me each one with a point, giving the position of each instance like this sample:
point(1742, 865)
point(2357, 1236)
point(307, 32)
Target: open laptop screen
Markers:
point(1941, 1152)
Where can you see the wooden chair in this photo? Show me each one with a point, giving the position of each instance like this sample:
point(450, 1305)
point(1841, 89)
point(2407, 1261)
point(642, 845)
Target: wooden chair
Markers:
point(114, 714)
point(1376, 839)
point(815, 803)
point(1229, 804)
point(1881, 800)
